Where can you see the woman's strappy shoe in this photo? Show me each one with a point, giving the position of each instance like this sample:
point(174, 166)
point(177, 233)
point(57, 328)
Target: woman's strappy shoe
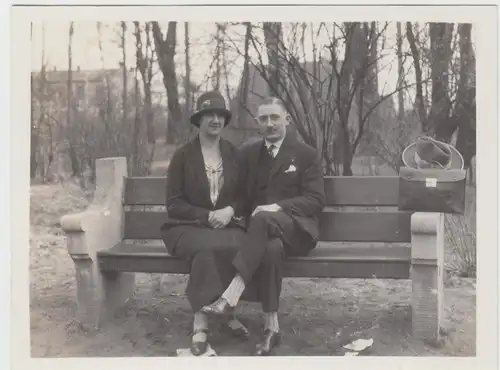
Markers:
point(199, 347)
point(236, 328)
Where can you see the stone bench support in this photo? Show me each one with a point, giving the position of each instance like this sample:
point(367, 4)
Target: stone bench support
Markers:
point(427, 252)
point(99, 227)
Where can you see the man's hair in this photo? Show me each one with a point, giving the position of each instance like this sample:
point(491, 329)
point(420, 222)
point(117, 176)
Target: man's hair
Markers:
point(273, 100)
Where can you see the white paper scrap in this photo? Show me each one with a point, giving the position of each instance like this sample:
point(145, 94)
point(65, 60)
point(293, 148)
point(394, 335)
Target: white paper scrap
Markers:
point(359, 345)
point(186, 352)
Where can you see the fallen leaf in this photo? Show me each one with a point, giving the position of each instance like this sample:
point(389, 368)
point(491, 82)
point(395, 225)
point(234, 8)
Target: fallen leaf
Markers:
point(359, 344)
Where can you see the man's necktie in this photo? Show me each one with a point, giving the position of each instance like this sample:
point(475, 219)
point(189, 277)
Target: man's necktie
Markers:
point(270, 150)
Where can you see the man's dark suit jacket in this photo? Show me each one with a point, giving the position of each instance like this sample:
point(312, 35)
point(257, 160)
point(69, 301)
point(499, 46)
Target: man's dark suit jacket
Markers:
point(295, 182)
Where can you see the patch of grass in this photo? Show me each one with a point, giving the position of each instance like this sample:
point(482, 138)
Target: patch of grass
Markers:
point(460, 239)
point(49, 202)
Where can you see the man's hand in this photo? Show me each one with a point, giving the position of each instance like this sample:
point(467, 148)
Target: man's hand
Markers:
point(267, 208)
point(221, 217)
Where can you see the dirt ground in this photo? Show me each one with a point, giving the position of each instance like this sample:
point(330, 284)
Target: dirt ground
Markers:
point(317, 316)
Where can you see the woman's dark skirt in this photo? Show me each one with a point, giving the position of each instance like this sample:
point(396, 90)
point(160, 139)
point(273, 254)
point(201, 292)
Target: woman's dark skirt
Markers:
point(210, 253)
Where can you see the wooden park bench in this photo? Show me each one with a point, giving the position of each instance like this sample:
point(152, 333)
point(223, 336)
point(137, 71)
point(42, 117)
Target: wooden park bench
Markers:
point(119, 234)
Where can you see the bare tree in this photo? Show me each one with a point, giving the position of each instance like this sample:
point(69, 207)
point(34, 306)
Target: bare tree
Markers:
point(225, 62)
point(75, 162)
point(124, 70)
point(144, 62)
point(322, 95)
point(136, 137)
point(107, 112)
point(401, 80)
point(441, 36)
point(357, 84)
point(243, 93)
point(420, 102)
point(446, 115)
point(165, 50)
point(42, 135)
point(463, 116)
point(33, 129)
point(218, 48)
point(274, 41)
point(187, 81)
point(389, 139)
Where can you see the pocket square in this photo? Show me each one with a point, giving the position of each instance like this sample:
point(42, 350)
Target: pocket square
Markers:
point(291, 169)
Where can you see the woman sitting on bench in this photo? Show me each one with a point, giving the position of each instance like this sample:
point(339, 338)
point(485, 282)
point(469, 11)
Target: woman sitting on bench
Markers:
point(202, 202)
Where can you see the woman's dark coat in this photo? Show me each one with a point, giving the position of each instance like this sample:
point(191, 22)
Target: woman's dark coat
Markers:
point(187, 233)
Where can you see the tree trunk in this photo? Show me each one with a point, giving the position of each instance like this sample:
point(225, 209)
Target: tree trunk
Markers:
point(419, 100)
point(371, 32)
point(187, 81)
point(33, 138)
point(137, 141)
point(273, 39)
point(242, 111)
point(124, 69)
point(165, 50)
point(147, 88)
point(464, 115)
point(346, 155)
point(344, 94)
point(33, 128)
point(401, 107)
point(75, 165)
point(111, 144)
point(440, 35)
point(144, 63)
point(218, 48)
point(224, 63)
point(69, 82)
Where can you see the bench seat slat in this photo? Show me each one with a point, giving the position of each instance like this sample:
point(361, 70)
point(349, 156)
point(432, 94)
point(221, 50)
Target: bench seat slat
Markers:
point(351, 226)
point(339, 191)
point(324, 261)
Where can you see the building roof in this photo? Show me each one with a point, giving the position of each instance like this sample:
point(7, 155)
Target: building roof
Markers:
point(78, 75)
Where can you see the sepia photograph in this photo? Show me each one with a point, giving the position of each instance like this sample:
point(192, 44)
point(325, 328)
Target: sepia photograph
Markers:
point(253, 188)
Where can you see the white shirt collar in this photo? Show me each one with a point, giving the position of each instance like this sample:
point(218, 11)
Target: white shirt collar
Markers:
point(277, 145)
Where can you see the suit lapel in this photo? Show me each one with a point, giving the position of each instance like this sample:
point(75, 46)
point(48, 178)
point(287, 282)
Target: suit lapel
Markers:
point(198, 169)
point(253, 164)
point(284, 157)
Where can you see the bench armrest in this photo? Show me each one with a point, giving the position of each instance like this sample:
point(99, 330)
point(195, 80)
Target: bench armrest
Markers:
point(427, 234)
point(100, 225)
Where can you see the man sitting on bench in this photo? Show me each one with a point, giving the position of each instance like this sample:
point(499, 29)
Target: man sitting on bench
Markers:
point(284, 192)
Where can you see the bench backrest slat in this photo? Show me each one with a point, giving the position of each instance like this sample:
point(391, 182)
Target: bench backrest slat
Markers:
point(340, 191)
point(352, 226)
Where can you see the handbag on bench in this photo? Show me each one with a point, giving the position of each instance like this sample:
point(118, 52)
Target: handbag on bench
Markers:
point(432, 178)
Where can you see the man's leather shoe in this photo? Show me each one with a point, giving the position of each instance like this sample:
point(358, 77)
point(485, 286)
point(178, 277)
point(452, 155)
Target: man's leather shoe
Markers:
point(220, 307)
point(199, 347)
point(270, 341)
